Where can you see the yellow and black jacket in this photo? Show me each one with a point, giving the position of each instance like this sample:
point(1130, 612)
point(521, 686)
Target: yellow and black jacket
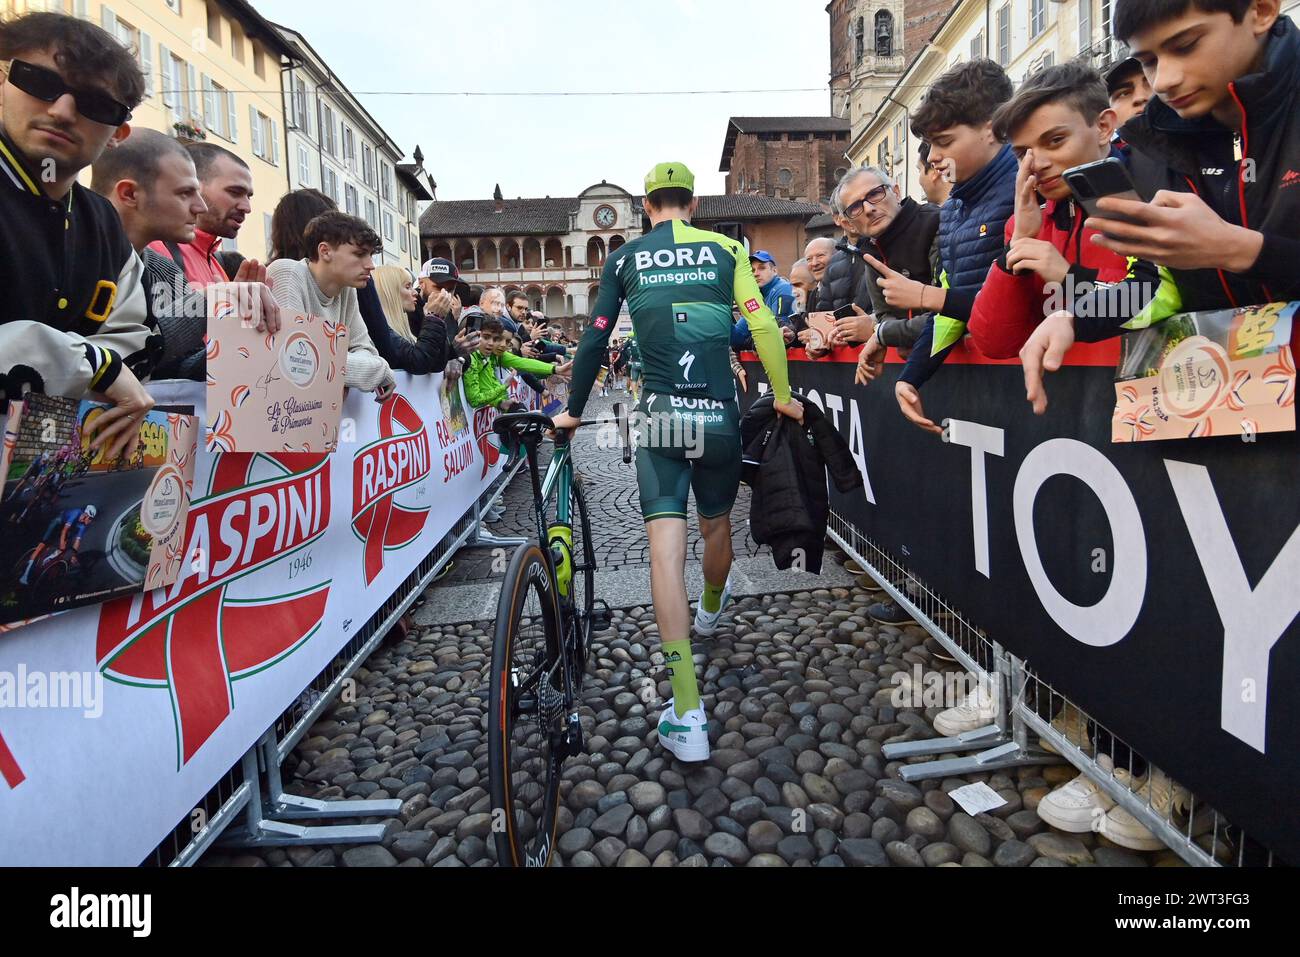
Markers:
point(72, 310)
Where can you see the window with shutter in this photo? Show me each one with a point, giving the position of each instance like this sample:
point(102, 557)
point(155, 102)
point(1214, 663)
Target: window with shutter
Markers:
point(209, 103)
point(192, 85)
point(233, 117)
point(168, 83)
point(256, 126)
point(275, 142)
point(146, 62)
point(108, 20)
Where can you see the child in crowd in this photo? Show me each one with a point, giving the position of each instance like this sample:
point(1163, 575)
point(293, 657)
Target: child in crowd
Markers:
point(482, 387)
point(956, 119)
point(1059, 118)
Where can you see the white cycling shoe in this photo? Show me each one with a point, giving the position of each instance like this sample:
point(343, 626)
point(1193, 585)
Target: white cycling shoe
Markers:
point(706, 623)
point(686, 736)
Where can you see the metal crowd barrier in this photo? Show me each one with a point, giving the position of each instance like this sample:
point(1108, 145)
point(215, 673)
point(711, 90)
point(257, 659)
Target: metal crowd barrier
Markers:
point(1026, 703)
point(254, 788)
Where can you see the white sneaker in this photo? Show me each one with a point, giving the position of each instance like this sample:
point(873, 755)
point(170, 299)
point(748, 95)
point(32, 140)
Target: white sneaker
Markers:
point(979, 709)
point(686, 736)
point(706, 623)
point(1072, 726)
point(1077, 807)
point(1169, 800)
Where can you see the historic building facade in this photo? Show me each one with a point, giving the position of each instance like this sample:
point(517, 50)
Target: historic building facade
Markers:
point(553, 249)
point(786, 157)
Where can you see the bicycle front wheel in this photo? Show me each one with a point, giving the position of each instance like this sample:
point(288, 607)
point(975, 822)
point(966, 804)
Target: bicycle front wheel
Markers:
point(527, 714)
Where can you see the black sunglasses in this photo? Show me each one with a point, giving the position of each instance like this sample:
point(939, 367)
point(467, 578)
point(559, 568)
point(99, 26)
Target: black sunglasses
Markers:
point(874, 197)
point(47, 86)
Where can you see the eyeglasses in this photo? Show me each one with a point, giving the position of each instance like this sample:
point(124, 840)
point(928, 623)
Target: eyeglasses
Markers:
point(873, 198)
point(47, 86)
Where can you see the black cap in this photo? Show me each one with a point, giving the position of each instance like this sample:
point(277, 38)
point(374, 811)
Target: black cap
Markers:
point(442, 271)
point(1120, 72)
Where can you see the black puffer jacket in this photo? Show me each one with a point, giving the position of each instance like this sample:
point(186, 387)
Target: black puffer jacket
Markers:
point(786, 466)
point(1257, 191)
point(845, 280)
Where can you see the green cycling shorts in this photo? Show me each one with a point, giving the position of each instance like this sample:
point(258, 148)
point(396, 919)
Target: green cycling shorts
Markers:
point(636, 370)
point(686, 443)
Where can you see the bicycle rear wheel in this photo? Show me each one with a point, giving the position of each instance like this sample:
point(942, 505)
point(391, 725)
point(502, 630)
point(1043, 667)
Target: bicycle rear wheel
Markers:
point(527, 714)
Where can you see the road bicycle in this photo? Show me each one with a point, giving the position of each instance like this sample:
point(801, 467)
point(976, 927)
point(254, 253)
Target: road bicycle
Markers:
point(545, 617)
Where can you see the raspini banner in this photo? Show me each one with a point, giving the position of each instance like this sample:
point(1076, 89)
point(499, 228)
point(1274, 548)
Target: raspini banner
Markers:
point(1154, 583)
point(116, 720)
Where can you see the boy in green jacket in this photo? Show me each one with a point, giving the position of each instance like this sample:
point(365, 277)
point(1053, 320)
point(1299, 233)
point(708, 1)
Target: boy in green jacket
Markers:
point(482, 387)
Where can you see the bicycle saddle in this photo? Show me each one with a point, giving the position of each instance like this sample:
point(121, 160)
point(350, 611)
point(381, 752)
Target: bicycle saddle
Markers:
point(522, 425)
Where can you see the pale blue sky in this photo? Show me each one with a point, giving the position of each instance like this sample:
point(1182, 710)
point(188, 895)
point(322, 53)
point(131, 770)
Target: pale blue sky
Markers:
point(537, 146)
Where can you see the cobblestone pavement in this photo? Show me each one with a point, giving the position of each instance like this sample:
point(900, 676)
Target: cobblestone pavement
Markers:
point(799, 687)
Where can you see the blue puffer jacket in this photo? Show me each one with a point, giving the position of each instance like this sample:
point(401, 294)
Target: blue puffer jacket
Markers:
point(971, 231)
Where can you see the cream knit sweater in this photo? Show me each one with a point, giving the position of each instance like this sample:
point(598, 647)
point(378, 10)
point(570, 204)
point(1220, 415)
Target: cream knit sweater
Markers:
point(295, 289)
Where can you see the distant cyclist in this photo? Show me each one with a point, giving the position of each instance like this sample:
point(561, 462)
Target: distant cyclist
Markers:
point(70, 524)
point(36, 470)
point(679, 283)
point(632, 352)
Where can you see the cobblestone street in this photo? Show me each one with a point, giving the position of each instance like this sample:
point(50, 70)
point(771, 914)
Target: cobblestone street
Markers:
point(797, 683)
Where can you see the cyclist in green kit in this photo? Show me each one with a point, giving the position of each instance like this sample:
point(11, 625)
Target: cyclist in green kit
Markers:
point(679, 283)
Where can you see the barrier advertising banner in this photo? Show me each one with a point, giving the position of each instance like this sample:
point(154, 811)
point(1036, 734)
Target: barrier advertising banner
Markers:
point(1154, 583)
point(116, 720)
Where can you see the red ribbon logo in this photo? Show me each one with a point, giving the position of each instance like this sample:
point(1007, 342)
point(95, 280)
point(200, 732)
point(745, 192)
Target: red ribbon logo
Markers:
point(400, 459)
point(195, 640)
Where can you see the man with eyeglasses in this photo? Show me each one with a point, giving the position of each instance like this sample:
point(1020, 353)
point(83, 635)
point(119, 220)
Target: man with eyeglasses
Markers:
point(72, 317)
point(900, 236)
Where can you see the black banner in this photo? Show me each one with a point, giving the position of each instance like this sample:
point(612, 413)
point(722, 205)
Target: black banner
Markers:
point(1157, 583)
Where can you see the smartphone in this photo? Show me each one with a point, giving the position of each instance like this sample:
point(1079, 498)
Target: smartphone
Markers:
point(843, 312)
point(1091, 181)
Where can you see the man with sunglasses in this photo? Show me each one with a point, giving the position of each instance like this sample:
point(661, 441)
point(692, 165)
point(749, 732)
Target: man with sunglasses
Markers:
point(73, 317)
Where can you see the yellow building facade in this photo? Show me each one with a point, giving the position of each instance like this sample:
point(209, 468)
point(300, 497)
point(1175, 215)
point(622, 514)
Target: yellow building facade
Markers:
point(209, 65)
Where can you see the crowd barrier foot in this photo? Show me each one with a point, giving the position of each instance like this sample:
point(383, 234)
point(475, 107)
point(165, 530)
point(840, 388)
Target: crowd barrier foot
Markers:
point(1008, 755)
point(966, 741)
point(482, 538)
point(266, 822)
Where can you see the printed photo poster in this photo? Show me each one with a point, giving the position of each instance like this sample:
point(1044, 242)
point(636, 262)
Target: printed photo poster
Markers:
point(1228, 372)
point(271, 393)
point(78, 528)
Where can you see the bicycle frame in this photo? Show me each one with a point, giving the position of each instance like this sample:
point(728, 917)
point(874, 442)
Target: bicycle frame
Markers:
point(558, 481)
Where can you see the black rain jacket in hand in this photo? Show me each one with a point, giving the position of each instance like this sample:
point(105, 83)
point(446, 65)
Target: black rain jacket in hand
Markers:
point(785, 466)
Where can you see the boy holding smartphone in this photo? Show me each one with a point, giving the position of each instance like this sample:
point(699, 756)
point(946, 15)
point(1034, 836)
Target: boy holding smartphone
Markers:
point(1060, 118)
point(1217, 152)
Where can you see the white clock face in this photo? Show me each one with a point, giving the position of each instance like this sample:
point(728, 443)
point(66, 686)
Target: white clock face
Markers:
point(606, 217)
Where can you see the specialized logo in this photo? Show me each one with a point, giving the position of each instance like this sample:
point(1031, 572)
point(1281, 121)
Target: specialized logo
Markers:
point(1290, 178)
point(686, 362)
point(194, 639)
point(399, 460)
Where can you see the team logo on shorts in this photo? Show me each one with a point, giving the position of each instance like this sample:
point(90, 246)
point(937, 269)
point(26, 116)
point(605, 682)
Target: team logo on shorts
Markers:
point(601, 323)
point(752, 305)
point(682, 317)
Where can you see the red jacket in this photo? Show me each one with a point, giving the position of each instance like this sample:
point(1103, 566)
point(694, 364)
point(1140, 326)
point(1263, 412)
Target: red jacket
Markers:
point(200, 258)
point(1009, 307)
